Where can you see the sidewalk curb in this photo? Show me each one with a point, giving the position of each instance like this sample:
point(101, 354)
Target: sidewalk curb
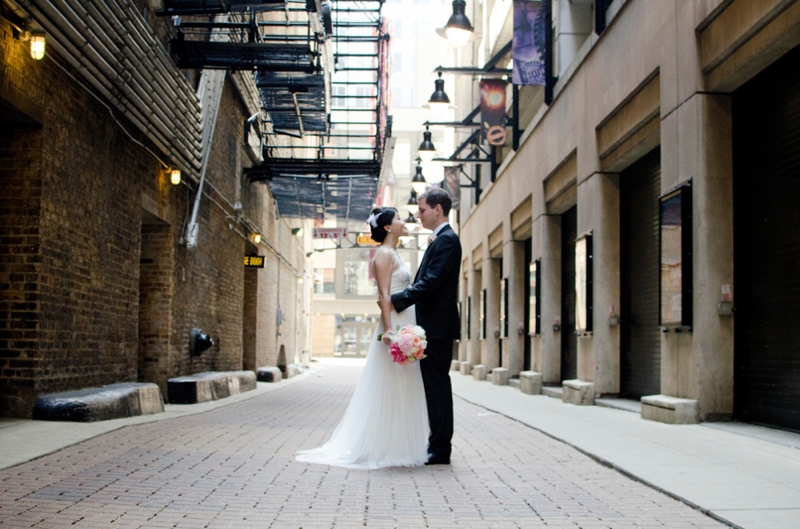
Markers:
point(611, 465)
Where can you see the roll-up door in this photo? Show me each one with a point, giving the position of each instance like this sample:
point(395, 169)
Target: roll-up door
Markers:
point(569, 341)
point(640, 341)
point(766, 191)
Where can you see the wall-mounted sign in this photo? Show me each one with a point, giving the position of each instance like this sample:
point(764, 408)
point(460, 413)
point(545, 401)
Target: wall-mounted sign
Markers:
point(530, 42)
point(676, 258)
point(329, 233)
point(254, 261)
point(364, 239)
point(493, 111)
point(583, 284)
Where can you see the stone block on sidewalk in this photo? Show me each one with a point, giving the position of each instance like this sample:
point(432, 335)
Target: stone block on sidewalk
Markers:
point(578, 392)
point(479, 372)
point(670, 410)
point(115, 401)
point(269, 374)
point(212, 385)
point(500, 376)
point(530, 382)
point(292, 370)
point(466, 368)
point(455, 365)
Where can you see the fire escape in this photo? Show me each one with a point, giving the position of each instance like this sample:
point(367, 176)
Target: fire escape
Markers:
point(320, 68)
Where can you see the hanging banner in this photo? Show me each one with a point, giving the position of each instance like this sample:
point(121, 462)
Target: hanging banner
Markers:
point(493, 111)
point(452, 184)
point(528, 48)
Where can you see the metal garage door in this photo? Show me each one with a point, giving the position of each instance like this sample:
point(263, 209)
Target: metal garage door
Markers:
point(766, 179)
point(640, 341)
point(569, 341)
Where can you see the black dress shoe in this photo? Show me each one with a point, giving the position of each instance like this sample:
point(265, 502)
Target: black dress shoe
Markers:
point(434, 460)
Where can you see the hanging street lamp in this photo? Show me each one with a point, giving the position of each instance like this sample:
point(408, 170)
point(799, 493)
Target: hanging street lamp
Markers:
point(427, 150)
point(458, 29)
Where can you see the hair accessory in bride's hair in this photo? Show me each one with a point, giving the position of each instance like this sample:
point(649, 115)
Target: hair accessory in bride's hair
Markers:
point(373, 220)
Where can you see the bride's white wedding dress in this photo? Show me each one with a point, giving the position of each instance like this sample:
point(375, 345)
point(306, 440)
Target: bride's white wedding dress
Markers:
point(386, 422)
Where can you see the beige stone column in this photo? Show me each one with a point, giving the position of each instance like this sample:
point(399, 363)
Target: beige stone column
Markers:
point(517, 273)
point(548, 357)
point(598, 354)
point(491, 282)
point(475, 286)
point(700, 366)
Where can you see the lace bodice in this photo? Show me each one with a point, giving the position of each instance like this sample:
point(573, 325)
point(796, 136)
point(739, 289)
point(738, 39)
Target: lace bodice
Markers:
point(401, 276)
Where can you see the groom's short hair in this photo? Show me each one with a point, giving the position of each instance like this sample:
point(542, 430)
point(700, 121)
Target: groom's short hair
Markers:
point(437, 195)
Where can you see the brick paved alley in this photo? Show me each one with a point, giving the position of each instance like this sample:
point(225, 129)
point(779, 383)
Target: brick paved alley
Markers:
point(234, 467)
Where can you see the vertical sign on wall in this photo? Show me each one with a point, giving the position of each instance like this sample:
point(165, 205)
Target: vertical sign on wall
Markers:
point(534, 314)
point(529, 42)
point(676, 258)
point(469, 317)
point(583, 284)
point(493, 111)
point(504, 307)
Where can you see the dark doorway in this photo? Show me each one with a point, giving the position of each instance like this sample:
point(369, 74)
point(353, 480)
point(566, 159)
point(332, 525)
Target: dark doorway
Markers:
point(766, 194)
point(250, 313)
point(640, 339)
point(569, 340)
point(155, 301)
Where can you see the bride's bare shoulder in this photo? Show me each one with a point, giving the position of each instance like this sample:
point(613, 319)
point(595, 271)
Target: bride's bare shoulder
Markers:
point(383, 258)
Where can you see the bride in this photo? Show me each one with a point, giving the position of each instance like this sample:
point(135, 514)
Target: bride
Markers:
point(386, 422)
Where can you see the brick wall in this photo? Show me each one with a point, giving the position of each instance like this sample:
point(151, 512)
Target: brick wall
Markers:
point(323, 331)
point(20, 198)
point(81, 305)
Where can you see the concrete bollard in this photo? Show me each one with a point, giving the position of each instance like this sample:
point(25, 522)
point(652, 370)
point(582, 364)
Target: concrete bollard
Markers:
point(466, 368)
point(578, 392)
point(500, 376)
point(479, 372)
point(530, 382)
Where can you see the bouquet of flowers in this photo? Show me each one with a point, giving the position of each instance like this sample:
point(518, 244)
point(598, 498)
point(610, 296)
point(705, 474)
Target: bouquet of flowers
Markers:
point(407, 344)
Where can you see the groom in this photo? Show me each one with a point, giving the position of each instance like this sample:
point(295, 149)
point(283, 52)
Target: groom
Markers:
point(434, 295)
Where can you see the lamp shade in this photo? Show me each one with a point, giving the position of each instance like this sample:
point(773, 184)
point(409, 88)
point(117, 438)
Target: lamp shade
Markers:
point(418, 182)
point(458, 29)
point(411, 219)
point(37, 46)
point(426, 149)
point(413, 205)
point(439, 101)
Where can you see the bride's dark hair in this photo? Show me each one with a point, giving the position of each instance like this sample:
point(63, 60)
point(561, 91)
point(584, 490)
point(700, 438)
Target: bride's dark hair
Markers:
point(383, 217)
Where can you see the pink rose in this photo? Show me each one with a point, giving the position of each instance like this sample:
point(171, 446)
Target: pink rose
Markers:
point(397, 354)
point(406, 342)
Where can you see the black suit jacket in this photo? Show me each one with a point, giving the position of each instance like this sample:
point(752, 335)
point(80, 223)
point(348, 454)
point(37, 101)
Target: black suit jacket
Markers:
point(435, 290)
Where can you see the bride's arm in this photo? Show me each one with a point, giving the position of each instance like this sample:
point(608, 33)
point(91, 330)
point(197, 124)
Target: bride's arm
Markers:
point(382, 266)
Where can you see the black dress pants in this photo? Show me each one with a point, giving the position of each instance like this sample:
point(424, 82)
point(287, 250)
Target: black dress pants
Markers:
point(439, 396)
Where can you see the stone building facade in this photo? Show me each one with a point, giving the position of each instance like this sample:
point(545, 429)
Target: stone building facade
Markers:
point(697, 97)
point(97, 284)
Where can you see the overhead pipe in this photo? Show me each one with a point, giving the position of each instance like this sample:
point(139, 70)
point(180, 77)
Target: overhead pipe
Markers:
point(165, 105)
point(136, 105)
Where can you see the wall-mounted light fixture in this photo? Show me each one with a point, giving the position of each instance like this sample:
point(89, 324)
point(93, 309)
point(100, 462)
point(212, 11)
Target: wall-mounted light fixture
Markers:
point(297, 232)
point(254, 237)
point(418, 183)
point(439, 101)
point(427, 150)
point(175, 176)
point(37, 45)
point(413, 204)
point(458, 29)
